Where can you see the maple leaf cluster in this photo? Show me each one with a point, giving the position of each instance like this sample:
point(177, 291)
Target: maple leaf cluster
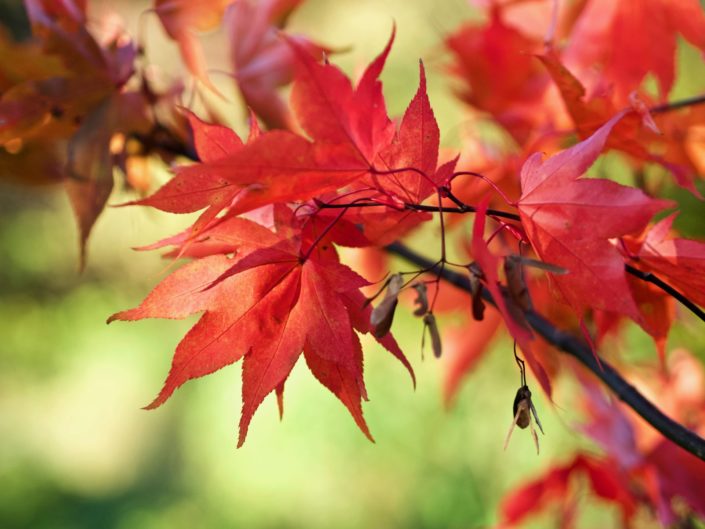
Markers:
point(329, 168)
point(293, 293)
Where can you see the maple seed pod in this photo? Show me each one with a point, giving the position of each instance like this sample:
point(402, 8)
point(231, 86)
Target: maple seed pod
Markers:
point(383, 314)
point(421, 299)
point(478, 304)
point(429, 321)
point(516, 285)
point(522, 410)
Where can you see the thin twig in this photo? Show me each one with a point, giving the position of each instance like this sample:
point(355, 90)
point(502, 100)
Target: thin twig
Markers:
point(489, 182)
point(424, 207)
point(570, 344)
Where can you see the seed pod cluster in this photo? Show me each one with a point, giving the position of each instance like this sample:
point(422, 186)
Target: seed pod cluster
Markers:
point(429, 320)
point(383, 314)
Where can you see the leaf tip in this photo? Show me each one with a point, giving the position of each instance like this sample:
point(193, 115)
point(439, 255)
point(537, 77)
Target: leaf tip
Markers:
point(152, 405)
point(362, 424)
point(280, 400)
point(243, 428)
point(422, 75)
point(163, 396)
point(448, 397)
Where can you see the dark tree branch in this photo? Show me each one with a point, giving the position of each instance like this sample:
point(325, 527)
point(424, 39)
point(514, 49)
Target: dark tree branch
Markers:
point(675, 105)
point(668, 289)
point(160, 138)
point(568, 343)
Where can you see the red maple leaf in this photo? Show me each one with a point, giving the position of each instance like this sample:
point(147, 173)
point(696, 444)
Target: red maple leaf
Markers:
point(274, 167)
point(279, 166)
point(329, 109)
point(267, 307)
point(401, 165)
point(404, 171)
point(193, 188)
point(570, 221)
point(355, 148)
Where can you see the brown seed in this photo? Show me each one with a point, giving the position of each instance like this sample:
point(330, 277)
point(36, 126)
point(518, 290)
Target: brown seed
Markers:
point(429, 321)
point(516, 285)
point(421, 299)
point(522, 410)
point(383, 314)
point(478, 304)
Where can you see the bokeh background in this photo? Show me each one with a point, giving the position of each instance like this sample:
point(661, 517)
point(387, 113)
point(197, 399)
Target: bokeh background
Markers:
point(76, 450)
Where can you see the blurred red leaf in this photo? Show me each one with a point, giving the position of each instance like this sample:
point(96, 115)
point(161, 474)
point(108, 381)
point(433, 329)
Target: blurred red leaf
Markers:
point(634, 134)
point(629, 39)
point(182, 19)
point(554, 488)
point(262, 60)
point(465, 347)
point(499, 75)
